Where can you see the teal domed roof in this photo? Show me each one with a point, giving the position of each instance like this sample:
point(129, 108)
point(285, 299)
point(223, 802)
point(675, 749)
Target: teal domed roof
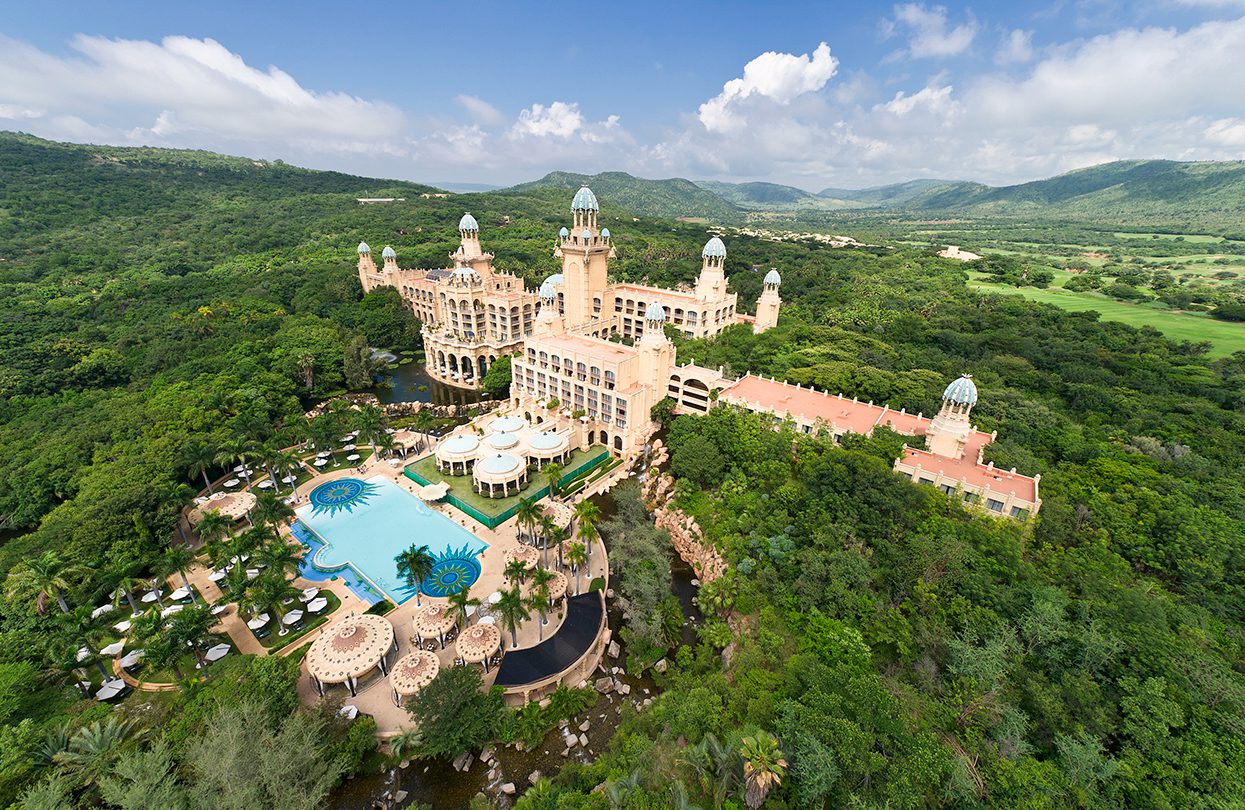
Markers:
point(656, 312)
point(466, 274)
point(585, 200)
point(714, 248)
point(585, 234)
point(547, 291)
point(388, 253)
point(363, 248)
point(962, 391)
point(772, 277)
point(468, 223)
point(605, 233)
point(564, 232)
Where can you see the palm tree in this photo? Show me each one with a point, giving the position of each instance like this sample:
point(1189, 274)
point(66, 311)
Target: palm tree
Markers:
point(43, 577)
point(307, 369)
point(288, 464)
point(546, 530)
point(268, 593)
point(617, 790)
point(61, 653)
point(513, 610)
point(764, 767)
point(541, 578)
point(540, 602)
point(714, 765)
point(515, 572)
point(459, 601)
point(423, 424)
point(161, 650)
point(271, 510)
point(199, 457)
point(94, 748)
point(528, 515)
point(325, 429)
point(212, 526)
point(560, 536)
point(414, 566)
point(189, 626)
point(553, 474)
point(233, 451)
point(587, 516)
point(279, 556)
point(268, 454)
point(129, 585)
point(176, 560)
point(405, 745)
point(577, 556)
point(370, 424)
point(88, 632)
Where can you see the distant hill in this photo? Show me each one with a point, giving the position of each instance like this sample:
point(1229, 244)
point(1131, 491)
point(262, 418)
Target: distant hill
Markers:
point(670, 198)
point(899, 195)
point(757, 195)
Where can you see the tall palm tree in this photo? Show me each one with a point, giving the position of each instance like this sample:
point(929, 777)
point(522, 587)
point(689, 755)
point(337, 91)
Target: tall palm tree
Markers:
point(43, 577)
point(268, 594)
point(414, 566)
point(307, 369)
point(459, 601)
point(539, 601)
point(88, 633)
point(587, 516)
point(268, 454)
point(271, 510)
point(541, 578)
point(513, 610)
point(325, 430)
point(560, 536)
point(577, 556)
point(61, 653)
point(423, 424)
point(188, 627)
point(764, 767)
point(161, 650)
point(515, 572)
point(553, 474)
point(714, 764)
point(546, 531)
point(288, 464)
point(176, 560)
point(370, 423)
point(528, 515)
point(405, 745)
point(279, 556)
point(233, 451)
point(128, 585)
point(212, 526)
point(199, 457)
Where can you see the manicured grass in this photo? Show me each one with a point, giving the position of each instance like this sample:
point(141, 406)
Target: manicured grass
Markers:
point(1193, 238)
point(460, 485)
point(1224, 337)
point(274, 641)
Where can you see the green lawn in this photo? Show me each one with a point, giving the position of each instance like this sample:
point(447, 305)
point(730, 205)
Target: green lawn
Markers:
point(460, 485)
point(275, 641)
point(1225, 338)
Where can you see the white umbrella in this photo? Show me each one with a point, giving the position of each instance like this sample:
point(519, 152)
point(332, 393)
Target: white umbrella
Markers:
point(292, 617)
point(131, 658)
point(289, 479)
point(171, 609)
point(217, 576)
point(151, 596)
point(323, 454)
point(471, 611)
point(347, 437)
point(390, 431)
point(488, 620)
point(349, 446)
point(318, 604)
point(243, 558)
point(310, 593)
point(258, 622)
point(219, 609)
point(180, 593)
point(101, 610)
point(113, 648)
point(110, 690)
point(349, 711)
point(494, 597)
point(218, 652)
point(265, 484)
point(320, 462)
point(239, 468)
point(251, 573)
point(83, 654)
point(123, 627)
point(232, 482)
point(352, 457)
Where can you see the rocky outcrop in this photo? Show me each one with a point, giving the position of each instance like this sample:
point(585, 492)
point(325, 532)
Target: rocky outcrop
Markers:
point(685, 534)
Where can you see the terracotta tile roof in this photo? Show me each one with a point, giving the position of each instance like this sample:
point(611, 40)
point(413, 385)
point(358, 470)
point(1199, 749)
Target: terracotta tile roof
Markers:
point(968, 470)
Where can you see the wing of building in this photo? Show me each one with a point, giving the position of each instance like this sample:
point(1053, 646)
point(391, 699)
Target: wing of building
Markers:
point(590, 358)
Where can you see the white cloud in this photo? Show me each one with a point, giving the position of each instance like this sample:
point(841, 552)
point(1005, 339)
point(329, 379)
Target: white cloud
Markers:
point(559, 120)
point(778, 77)
point(932, 99)
point(928, 31)
point(480, 110)
point(1017, 47)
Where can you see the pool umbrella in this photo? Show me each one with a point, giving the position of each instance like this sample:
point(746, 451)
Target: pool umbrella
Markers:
point(349, 711)
point(113, 648)
point(218, 652)
point(293, 617)
point(265, 484)
point(131, 658)
point(350, 447)
point(101, 610)
point(171, 609)
point(232, 482)
point(239, 468)
point(217, 576)
point(258, 622)
point(180, 593)
point(151, 596)
point(310, 593)
point(352, 457)
point(494, 597)
point(219, 609)
point(123, 627)
point(83, 654)
point(318, 604)
point(110, 690)
point(289, 479)
point(320, 462)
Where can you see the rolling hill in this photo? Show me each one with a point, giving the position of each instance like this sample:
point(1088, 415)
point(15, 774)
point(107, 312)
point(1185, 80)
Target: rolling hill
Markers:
point(671, 198)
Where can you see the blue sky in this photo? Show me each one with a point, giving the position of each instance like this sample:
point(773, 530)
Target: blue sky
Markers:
point(814, 94)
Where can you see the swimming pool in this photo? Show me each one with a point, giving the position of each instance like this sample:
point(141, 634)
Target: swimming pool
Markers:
point(352, 526)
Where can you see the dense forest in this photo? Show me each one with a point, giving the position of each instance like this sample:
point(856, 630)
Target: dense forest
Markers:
point(873, 643)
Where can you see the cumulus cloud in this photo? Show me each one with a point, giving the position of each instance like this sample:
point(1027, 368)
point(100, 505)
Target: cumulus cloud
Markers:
point(778, 77)
point(928, 31)
point(559, 120)
point(1017, 47)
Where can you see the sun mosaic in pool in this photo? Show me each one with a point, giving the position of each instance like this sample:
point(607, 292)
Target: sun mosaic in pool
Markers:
point(455, 569)
point(342, 494)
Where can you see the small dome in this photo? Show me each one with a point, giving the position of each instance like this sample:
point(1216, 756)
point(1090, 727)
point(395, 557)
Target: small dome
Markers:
point(363, 248)
point(585, 234)
point(714, 248)
point(547, 291)
point(468, 223)
point(656, 312)
point(564, 232)
point(466, 274)
point(772, 277)
point(585, 200)
point(388, 253)
point(605, 233)
point(962, 391)
point(556, 279)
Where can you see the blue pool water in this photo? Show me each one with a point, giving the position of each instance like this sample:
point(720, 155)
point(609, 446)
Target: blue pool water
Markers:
point(354, 529)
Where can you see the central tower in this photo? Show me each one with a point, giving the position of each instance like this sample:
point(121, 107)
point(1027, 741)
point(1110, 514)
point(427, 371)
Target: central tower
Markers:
point(585, 252)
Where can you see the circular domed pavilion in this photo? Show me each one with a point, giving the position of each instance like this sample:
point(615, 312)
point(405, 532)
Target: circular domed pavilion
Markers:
point(499, 475)
point(413, 672)
point(456, 454)
point(350, 649)
point(546, 447)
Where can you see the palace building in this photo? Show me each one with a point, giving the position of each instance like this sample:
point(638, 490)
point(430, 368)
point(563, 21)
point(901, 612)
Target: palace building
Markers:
point(590, 358)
